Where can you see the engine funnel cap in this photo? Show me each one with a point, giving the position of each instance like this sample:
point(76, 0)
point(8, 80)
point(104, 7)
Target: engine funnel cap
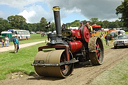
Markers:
point(56, 8)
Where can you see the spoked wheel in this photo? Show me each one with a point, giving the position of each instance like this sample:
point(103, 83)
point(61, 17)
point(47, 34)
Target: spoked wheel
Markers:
point(66, 70)
point(54, 63)
point(96, 49)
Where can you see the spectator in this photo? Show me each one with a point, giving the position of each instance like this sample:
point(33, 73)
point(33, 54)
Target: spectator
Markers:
point(6, 41)
point(63, 26)
point(42, 34)
point(119, 33)
point(89, 27)
point(107, 40)
point(16, 44)
point(81, 24)
point(2, 42)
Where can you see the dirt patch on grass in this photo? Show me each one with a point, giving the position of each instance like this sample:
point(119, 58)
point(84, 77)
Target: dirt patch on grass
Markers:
point(16, 75)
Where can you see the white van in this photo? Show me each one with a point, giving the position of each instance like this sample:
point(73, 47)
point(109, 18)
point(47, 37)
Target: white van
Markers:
point(21, 34)
point(114, 34)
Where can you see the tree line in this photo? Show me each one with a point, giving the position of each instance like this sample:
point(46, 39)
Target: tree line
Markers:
point(19, 22)
point(104, 24)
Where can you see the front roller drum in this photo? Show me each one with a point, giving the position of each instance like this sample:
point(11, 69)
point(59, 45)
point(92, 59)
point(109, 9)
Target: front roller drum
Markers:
point(51, 63)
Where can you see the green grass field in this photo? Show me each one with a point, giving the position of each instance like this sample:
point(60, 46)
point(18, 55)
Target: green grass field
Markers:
point(126, 32)
point(34, 38)
point(117, 75)
point(17, 62)
point(10, 62)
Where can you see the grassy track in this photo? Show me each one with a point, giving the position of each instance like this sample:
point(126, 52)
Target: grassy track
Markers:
point(118, 75)
point(126, 32)
point(34, 38)
point(10, 62)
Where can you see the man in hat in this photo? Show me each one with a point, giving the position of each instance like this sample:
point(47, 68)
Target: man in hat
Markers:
point(81, 24)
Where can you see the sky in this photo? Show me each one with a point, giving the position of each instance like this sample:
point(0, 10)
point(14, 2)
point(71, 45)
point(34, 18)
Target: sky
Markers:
point(34, 10)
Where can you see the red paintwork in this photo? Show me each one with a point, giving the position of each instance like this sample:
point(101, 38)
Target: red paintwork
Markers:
point(97, 51)
point(86, 34)
point(75, 46)
point(76, 33)
point(96, 26)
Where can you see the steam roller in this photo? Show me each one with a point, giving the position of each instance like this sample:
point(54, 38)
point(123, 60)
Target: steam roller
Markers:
point(65, 48)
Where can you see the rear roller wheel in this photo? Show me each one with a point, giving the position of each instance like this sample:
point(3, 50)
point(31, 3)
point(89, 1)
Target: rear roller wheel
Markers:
point(96, 49)
point(52, 58)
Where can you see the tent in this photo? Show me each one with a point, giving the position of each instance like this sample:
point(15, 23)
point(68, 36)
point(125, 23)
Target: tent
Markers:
point(7, 33)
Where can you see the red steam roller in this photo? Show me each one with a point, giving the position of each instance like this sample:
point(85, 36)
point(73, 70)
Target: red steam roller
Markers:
point(70, 46)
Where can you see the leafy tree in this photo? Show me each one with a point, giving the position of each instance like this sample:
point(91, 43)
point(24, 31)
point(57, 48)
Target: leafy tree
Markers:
point(112, 25)
point(43, 23)
point(76, 23)
point(33, 26)
point(68, 25)
point(105, 24)
point(123, 9)
point(52, 28)
point(94, 20)
point(4, 25)
point(84, 22)
point(17, 22)
point(120, 24)
point(100, 23)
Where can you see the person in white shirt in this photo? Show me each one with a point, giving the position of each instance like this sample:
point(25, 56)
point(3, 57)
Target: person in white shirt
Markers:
point(6, 41)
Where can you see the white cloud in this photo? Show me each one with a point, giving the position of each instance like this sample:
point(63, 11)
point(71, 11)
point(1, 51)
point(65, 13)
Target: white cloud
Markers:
point(34, 13)
point(102, 9)
point(73, 10)
point(20, 4)
point(27, 15)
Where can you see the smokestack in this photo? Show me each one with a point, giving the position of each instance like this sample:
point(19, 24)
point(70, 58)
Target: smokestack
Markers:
point(56, 11)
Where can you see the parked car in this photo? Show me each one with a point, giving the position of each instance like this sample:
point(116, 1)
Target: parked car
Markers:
point(32, 32)
point(38, 32)
point(121, 40)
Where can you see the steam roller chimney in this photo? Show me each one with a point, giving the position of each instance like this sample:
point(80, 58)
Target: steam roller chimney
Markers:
point(56, 10)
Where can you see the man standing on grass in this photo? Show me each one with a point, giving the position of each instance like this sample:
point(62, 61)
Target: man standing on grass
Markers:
point(16, 44)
